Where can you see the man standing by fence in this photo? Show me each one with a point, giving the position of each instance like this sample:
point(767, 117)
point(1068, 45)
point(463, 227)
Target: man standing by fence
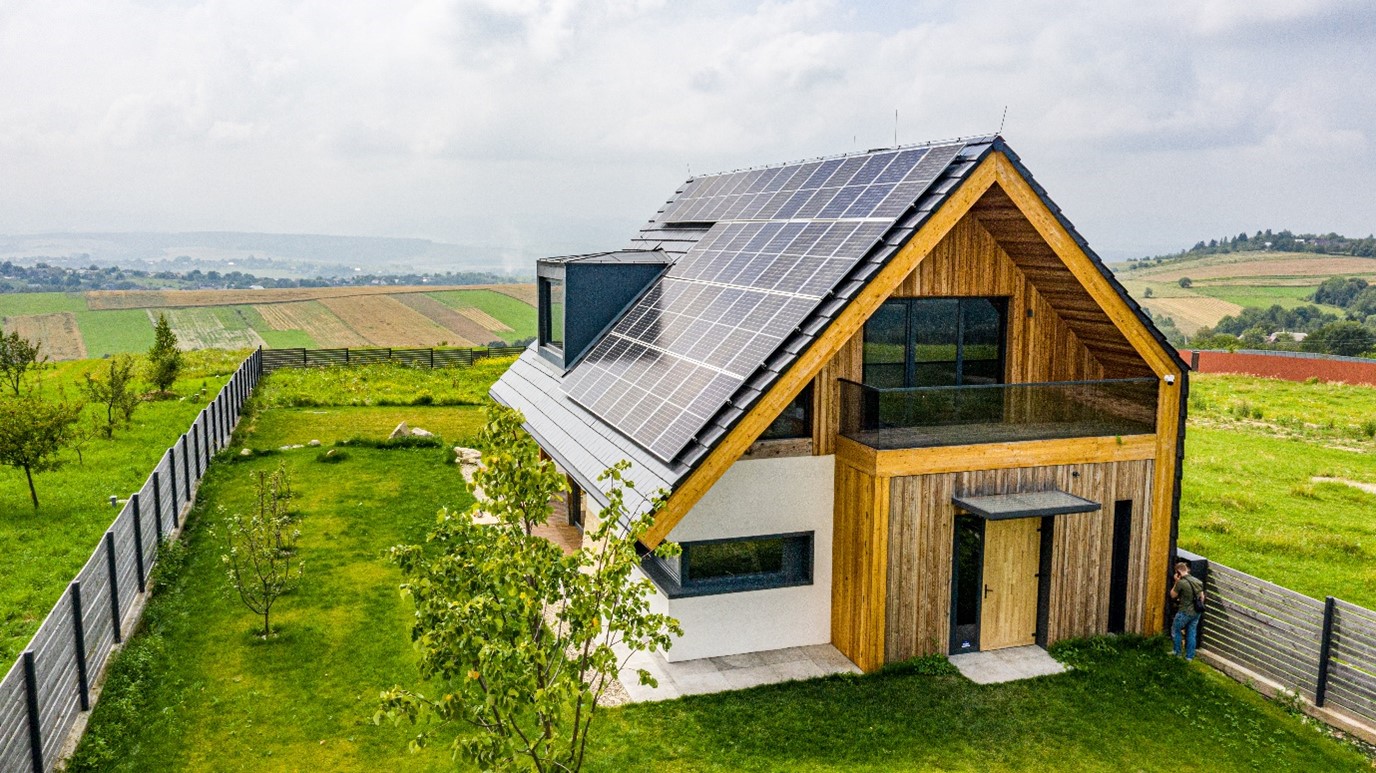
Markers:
point(1188, 593)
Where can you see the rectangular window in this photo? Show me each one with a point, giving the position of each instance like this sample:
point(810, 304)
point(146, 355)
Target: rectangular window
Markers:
point(920, 342)
point(552, 313)
point(732, 565)
point(795, 421)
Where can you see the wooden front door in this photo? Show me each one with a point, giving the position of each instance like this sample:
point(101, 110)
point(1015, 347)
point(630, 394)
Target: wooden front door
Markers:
point(1012, 552)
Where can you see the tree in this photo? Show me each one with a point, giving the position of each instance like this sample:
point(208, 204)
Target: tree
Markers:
point(261, 547)
point(18, 356)
point(115, 391)
point(1347, 339)
point(164, 358)
point(519, 635)
point(33, 432)
point(1185, 281)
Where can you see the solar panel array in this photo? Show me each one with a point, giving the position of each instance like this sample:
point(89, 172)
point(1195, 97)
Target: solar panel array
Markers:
point(781, 240)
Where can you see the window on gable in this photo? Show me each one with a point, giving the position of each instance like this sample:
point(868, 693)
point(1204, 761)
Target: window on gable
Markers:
point(919, 342)
point(709, 567)
point(795, 421)
point(552, 313)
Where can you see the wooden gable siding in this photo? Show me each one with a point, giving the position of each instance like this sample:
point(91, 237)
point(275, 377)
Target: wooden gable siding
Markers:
point(860, 536)
point(921, 530)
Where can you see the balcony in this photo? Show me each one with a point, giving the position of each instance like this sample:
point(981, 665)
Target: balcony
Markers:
point(926, 417)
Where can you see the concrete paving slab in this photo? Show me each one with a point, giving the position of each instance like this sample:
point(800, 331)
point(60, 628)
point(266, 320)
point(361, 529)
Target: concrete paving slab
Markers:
point(731, 672)
point(1006, 665)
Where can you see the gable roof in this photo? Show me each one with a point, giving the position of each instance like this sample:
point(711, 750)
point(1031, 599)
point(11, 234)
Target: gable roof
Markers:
point(649, 366)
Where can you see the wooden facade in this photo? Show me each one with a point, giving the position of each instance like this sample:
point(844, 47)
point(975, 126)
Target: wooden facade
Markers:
point(994, 236)
point(921, 524)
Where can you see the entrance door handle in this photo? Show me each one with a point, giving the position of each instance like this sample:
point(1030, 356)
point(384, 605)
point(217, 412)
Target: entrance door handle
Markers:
point(987, 591)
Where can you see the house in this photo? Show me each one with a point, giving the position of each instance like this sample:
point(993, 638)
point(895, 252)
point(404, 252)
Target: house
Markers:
point(895, 401)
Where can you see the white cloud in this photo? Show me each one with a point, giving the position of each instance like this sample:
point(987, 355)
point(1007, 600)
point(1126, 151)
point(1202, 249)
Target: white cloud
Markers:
point(558, 125)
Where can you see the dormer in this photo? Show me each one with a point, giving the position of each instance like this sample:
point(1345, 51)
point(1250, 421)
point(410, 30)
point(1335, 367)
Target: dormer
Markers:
point(582, 295)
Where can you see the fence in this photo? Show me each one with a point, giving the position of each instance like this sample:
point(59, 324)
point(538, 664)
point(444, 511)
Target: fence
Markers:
point(1291, 366)
point(274, 359)
point(50, 684)
point(1324, 650)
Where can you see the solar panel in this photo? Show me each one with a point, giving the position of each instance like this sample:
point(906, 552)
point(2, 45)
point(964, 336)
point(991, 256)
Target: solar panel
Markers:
point(782, 238)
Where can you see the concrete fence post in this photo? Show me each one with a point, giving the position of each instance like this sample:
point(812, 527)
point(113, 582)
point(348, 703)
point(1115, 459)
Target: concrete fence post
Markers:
point(31, 701)
point(1330, 606)
point(138, 542)
point(114, 585)
point(83, 686)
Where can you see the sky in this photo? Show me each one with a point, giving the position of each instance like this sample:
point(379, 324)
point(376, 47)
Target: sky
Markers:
point(536, 127)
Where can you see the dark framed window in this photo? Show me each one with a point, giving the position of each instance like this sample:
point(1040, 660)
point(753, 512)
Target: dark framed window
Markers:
point(795, 421)
point(552, 313)
point(918, 342)
point(709, 567)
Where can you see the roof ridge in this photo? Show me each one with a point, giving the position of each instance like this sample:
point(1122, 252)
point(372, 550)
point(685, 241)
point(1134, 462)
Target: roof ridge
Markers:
point(974, 139)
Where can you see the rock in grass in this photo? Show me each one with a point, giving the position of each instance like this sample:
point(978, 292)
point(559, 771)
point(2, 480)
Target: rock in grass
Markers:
point(314, 444)
point(403, 429)
point(246, 452)
point(418, 432)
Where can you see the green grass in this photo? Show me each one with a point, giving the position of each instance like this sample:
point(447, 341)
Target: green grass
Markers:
point(1248, 499)
point(382, 384)
point(115, 331)
point(298, 426)
point(16, 304)
point(518, 315)
point(41, 551)
point(1126, 706)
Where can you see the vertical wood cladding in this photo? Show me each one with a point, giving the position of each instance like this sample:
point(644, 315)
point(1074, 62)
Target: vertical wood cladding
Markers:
point(860, 535)
point(921, 528)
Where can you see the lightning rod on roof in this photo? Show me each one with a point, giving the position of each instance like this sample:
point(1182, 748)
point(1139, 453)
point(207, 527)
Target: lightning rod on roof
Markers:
point(1004, 118)
point(895, 127)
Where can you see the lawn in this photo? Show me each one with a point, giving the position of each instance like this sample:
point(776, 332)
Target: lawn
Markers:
point(197, 691)
point(1248, 499)
point(41, 551)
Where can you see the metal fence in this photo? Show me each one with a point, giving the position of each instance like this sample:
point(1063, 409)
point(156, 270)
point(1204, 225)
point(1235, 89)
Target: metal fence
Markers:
point(1323, 650)
point(46, 689)
point(274, 359)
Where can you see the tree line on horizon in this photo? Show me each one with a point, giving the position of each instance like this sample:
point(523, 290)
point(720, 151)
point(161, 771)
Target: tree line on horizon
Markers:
point(1268, 240)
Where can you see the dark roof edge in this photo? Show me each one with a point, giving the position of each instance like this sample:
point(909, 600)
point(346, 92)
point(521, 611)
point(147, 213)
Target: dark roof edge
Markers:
point(1001, 146)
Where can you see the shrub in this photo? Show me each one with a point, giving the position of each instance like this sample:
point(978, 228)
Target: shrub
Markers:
point(332, 456)
point(390, 444)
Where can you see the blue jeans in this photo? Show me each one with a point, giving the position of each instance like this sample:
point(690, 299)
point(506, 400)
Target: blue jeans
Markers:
point(1188, 622)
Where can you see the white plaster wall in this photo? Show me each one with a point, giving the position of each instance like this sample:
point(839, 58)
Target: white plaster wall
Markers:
point(754, 498)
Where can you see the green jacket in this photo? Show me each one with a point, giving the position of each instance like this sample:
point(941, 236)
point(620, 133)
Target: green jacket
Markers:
point(1186, 588)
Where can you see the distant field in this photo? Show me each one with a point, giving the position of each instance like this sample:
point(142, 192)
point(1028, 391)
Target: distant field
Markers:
point(1225, 284)
point(98, 324)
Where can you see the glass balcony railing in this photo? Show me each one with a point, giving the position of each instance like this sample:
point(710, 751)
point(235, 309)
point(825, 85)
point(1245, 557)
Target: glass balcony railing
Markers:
point(920, 417)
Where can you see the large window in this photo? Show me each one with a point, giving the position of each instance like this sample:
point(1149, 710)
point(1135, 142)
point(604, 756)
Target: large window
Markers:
point(732, 565)
point(552, 313)
point(917, 342)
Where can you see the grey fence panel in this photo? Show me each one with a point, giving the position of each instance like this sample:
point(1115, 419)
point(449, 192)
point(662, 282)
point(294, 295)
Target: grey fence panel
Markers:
point(126, 575)
point(1352, 668)
point(274, 359)
point(55, 666)
point(14, 723)
point(1268, 629)
point(97, 628)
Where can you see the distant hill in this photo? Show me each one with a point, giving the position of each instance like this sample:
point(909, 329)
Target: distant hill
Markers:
point(295, 254)
point(1226, 276)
